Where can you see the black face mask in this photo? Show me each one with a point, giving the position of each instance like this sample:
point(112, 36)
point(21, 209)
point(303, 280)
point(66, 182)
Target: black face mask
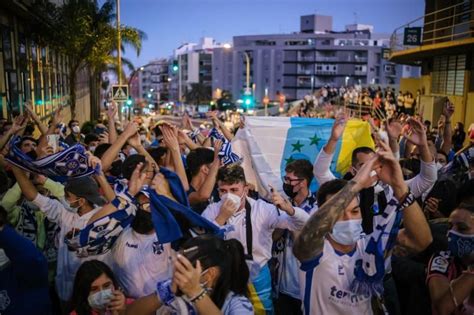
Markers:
point(116, 168)
point(288, 189)
point(142, 223)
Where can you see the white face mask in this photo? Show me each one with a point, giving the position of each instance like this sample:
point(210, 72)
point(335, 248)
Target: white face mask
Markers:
point(99, 300)
point(235, 199)
point(439, 166)
point(347, 232)
point(142, 137)
point(3, 259)
point(76, 129)
point(132, 151)
point(92, 148)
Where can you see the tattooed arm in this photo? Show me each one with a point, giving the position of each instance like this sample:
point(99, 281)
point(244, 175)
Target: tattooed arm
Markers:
point(309, 243)
point(311, 240)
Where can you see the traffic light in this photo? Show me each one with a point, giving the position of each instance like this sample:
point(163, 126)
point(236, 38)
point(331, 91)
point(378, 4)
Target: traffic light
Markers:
point(248, 101)
point(129, 102)
point(175, 66)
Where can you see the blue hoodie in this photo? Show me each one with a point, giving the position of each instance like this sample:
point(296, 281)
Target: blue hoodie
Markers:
point(24, 280)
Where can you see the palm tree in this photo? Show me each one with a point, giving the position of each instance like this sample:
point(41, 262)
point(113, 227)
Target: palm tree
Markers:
point(199, 93)
point(83, 31)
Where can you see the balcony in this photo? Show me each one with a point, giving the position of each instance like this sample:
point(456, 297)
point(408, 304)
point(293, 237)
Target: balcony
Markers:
point(360, 72)
point(448, 30)
point(327, 59)
point(326, 72)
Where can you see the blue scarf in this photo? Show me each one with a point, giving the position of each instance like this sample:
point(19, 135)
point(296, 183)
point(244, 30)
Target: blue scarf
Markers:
point(226, 154)
point(172, 219)
point(71, 162)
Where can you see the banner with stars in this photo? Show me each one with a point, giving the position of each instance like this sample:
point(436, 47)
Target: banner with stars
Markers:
point(272, 142)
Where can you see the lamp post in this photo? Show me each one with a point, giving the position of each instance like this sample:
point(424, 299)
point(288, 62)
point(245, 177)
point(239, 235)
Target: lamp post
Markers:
point(247, 62)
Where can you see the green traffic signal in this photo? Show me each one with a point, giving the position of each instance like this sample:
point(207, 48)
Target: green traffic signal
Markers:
point(129, 102)
point(175, 66)
point(248, 101)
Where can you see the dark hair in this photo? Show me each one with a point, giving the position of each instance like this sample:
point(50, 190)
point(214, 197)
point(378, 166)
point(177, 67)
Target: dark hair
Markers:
point(231, 174)
point(329, 188)
point(365, 150)
point(85, 275)
point(443, 153)
point(229, 257)
point(131, 163)
point(157, 153)
point(157, 131)
point(197, 158)
point(302, 169)
point(25, 138)
point(71, 122)
point(90, 137)
point(101, 148)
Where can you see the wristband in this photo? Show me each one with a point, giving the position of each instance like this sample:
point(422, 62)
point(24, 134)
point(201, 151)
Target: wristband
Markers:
point(164, 293)
point(198, 297)
point(408, 200)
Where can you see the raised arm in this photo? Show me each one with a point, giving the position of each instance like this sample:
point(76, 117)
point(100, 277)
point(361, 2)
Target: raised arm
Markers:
point(310, 242)
point(111, 112)
point(321, 168)
point(448, 111)
point(29, 108)
point(394, 129)
point(111, 154)
point(19, 124)
point(170, 137)
point(217, 123)
point(27, 187)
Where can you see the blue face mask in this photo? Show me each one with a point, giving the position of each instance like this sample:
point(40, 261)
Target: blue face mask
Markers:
point(347, 232)
point(460, 245)
point(100, 299)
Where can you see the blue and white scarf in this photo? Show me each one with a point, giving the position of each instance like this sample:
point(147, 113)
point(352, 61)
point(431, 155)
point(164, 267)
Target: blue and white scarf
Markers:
point(71, 162)
point(226, 155)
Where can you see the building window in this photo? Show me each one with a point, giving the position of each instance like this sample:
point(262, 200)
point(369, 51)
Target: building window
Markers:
point(448, 75)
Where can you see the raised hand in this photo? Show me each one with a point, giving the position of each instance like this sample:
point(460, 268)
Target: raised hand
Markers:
point(365, 177)
point(448, 109)
point(394, 128)
point(117, 302)
point(281, 202)
point(112, 111)
point(187, 277)
point(104, 137)
point(389, 170)
point(137, 180)
point(58, 115)
point(131, 129)
point(339, 125)
point(170, 137)
point(416, 134)
point(217, 148)
point(19, 124)
point(135, 140)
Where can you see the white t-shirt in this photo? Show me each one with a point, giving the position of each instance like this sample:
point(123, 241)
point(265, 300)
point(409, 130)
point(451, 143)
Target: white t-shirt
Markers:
point(140, 262)
point(265, 220)
point(325, 282)
point(68, 260)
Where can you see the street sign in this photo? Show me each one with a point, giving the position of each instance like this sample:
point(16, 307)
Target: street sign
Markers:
point(385, 53)
point(120, 93)
point(412, 36)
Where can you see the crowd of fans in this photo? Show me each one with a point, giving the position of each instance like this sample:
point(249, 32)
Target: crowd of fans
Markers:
point(163, 221)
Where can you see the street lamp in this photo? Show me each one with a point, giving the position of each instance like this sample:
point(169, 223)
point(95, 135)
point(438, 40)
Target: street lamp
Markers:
point(247, 59)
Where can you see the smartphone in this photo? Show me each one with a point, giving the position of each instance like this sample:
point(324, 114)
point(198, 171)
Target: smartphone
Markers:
point(53, 141)
point(191, 254)
point(99, 130)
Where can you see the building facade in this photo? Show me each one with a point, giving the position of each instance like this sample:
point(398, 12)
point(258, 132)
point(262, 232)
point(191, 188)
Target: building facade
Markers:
point(299, 63)
point(29, 72)
point(194, 66)
point(154, 84)
point(445, 52)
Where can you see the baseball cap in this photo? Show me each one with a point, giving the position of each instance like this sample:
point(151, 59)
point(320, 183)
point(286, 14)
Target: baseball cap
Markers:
point(85, 187)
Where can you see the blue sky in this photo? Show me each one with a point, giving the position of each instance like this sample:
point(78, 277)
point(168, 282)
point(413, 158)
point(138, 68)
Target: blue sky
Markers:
point(169, 23)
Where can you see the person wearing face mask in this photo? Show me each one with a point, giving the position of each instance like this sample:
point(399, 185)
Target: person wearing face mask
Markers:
point(91, 141)
point(23, 274)
point(96, 291)
point(143, 138)
point(253, 223)
point(296, 182)
point(75, 134)
point(203, 165)
point(81, 203)
point(343, 269)
point(140, 261)
point(210, 277)
point(450, 275)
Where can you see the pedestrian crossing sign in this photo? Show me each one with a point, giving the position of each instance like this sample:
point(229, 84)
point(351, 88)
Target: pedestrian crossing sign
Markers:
point(120, 92)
